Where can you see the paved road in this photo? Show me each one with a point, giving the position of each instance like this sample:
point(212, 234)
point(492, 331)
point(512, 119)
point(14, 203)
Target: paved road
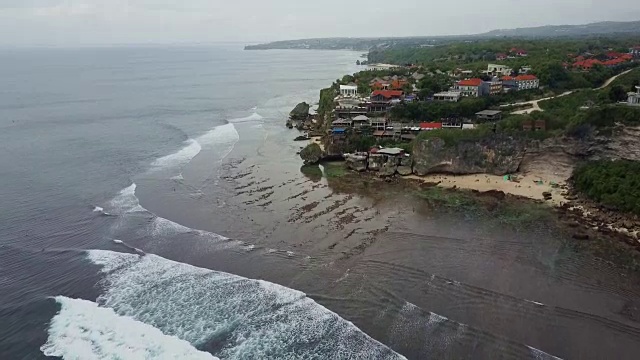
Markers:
point(536, 107)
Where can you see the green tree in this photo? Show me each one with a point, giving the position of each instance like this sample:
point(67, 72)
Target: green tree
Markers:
point(617, 93)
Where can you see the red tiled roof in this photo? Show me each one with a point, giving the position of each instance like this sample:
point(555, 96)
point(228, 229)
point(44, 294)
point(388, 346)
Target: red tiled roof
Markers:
point(587, 63)
point(525, 77)
point(507, 78)
point(470, 82)
point(387, 93)
point(430, 125)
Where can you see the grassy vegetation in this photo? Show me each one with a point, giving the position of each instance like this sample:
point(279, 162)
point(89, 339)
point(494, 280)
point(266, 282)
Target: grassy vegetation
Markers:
point(334, 170)
point(453, 137)
point(612, 183)
point(504, 212)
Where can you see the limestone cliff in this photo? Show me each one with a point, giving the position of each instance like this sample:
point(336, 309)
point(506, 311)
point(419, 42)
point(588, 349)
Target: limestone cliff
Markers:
point(498, 154)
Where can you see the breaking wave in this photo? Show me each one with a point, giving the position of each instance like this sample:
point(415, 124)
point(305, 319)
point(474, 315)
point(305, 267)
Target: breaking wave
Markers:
point(232, 316)
point(253, 117)
point(126, 202)
point(83, 330)
point(180, 157)
point(225, 135)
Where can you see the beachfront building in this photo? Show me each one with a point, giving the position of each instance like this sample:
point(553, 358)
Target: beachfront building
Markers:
point(498, 70)
point(380, 67)
point(450, 96)
point(386, 95)
point(469, 87)
point(634, 97)
point(349, 90)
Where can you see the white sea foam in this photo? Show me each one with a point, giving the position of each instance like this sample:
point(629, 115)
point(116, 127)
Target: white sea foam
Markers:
point(126, 201)
point(83, 330)
point(98, 209)
point(181, 157)
point(161, 227)
point(253, 117)
point(245, 318)
point(541, 355)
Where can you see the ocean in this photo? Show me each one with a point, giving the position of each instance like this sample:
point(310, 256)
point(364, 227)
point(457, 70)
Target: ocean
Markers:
point(154, 207)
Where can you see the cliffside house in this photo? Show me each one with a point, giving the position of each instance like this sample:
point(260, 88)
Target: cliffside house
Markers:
point(428, 126)
point(386, 95)
point(469, 87)
point(341, 124)
point(378, 123)
point(450, 96)
point(501, 56)
point(498, 70)
point(489, 115)
point(359, 121)
point(634, 97)
point(349, 90)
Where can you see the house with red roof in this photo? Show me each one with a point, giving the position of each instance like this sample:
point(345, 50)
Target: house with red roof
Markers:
point(386, 95)
point(519, 52)
point(520, 82)
point(527, 82)
point(469, 87)
point(501, 56)
point(586, 65)
point(430, 126)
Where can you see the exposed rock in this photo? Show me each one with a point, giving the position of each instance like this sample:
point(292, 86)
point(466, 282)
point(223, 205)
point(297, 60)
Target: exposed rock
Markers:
point(389, 168)
point(498, 155)
point(301, 138)
point(580, 236)
point(300, 112)
point(497, 194)
point(375, 162)
point(547, 195)
point(356, 162)
point(311, 154)
point(405, 170)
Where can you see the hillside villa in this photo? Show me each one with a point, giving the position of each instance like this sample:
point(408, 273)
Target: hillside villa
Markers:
point(634, 97)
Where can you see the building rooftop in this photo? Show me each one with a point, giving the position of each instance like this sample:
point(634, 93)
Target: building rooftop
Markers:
point(360, 118)
point(489, 112)
point(470, 82)
point(390, 151)
point(387, 93)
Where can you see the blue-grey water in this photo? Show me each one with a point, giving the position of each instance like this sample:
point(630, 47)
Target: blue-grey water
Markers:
point(181, 154)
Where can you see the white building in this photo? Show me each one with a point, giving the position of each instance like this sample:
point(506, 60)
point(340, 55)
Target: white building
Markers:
point(634, 97)
point(527, 82)
point(498, 70)
point(451, 96)
point(348, 90)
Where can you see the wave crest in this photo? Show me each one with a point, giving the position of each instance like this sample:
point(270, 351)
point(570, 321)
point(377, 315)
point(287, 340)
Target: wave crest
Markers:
point(83, 330)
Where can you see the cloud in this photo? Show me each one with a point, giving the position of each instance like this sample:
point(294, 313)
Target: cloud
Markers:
point(80, 22)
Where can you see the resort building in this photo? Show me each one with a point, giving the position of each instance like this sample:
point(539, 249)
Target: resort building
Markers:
point(527, 82)
point(498, 70)
point(469, 87)
point(349, 90)
point(493, 87)
point(634, 97)
point(635, 51)
point(451, 96)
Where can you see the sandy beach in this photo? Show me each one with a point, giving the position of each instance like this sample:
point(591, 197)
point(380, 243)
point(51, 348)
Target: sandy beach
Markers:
point(526, 185)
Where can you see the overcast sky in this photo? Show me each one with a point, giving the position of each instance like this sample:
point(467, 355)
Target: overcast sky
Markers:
point(86, 22)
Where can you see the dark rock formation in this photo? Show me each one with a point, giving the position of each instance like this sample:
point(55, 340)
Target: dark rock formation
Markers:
point(311, 154)
point(300, 112)
point(301, 138)
point(498, 155)
point(389, 168)
point(375, 162)
point(356, 162)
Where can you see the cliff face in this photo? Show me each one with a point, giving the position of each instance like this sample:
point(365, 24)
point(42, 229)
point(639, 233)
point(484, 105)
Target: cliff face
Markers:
point(498, 155)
